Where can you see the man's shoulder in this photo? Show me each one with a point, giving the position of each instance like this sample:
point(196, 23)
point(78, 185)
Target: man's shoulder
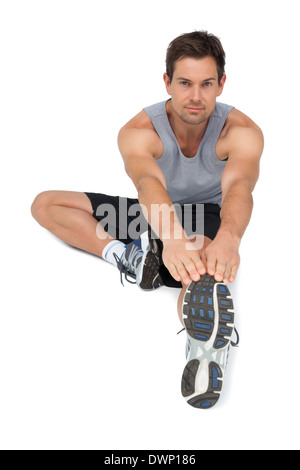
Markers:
point(138, 134)
point(143, 120)
point(156, 109)
point(238, 126)
point(240, 134)
point(139, 121)
point(237, 120)
point(243, 134)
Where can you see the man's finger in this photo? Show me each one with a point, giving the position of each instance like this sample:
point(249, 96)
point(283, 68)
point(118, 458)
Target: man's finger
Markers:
point(185, 278)
point(174, 273)
point(191, 268)
point(211, 264)
point(204, 260)
point(220, 270)
point(233, 273)
point(227, 274)
point(200, 267)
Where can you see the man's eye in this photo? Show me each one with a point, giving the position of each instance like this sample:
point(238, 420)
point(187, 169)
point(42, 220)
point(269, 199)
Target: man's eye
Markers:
point(207, 84)
point(184, 83)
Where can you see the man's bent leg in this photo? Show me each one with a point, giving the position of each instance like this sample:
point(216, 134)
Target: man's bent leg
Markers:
point(69, 216)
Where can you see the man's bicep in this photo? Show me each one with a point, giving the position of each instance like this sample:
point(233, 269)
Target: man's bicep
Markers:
point(138, 147)
point(244, 159)
point(141, 166)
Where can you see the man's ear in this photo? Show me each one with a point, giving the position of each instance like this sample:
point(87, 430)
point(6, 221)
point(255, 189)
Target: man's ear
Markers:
point(167, 83)
point(221, 85)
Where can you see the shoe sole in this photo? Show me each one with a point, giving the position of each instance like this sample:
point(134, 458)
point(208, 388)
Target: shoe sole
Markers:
point(154, 248)
point(209, 320)
point(150, 277)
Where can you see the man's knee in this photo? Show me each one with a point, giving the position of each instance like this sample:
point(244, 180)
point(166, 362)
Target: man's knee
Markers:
point(40, 207)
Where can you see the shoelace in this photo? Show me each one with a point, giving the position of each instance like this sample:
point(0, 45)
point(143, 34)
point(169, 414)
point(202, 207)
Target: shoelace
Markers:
point(124, 270)
point(233, 344)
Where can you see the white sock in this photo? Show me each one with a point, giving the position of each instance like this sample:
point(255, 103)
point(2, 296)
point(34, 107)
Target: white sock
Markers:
point(116, 247)
point(144, 240)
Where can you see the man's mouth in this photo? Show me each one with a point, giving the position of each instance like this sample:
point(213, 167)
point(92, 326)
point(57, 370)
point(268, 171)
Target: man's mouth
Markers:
point(194, 109)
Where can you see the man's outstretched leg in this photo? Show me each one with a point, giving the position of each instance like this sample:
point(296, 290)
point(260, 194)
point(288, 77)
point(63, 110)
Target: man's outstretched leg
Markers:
point(205, 309)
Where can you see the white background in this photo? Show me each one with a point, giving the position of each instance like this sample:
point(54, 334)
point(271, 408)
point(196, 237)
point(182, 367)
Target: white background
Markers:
point(84, 362)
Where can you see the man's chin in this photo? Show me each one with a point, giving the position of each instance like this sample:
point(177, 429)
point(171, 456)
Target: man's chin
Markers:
point(194, 120)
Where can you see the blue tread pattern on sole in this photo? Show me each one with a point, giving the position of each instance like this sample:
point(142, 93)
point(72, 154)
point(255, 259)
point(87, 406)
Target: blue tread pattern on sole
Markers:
point(199, 306)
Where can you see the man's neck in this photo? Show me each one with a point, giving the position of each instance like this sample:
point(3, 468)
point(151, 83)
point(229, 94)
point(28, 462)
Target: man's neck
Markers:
point(184, 132)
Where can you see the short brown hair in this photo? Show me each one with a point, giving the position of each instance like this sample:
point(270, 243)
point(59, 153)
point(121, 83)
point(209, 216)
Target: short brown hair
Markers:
point(198, 45)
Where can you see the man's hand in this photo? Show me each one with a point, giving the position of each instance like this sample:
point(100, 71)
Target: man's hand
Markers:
point(221, 258)
point(183, 260)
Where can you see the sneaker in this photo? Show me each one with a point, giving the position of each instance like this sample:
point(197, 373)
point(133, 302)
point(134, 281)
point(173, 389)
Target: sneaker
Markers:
point(142, 265)
point(209, 320)
point(150, 243)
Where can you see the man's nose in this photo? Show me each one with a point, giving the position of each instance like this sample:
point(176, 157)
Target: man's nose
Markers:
point(195, 94)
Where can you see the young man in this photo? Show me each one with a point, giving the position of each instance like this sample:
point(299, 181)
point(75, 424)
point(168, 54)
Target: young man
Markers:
point(187, 152)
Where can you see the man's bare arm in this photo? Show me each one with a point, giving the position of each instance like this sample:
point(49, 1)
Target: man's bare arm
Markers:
point(138, 148)
point(238, 182)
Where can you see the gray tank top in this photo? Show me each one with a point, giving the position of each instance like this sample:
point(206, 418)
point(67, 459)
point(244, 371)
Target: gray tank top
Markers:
point(194, 180)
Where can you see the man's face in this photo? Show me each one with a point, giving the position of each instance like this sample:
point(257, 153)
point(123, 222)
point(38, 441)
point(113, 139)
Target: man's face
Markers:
point(194, 88)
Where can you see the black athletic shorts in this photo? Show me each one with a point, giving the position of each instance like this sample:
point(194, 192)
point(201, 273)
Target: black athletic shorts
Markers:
point(116, 214)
